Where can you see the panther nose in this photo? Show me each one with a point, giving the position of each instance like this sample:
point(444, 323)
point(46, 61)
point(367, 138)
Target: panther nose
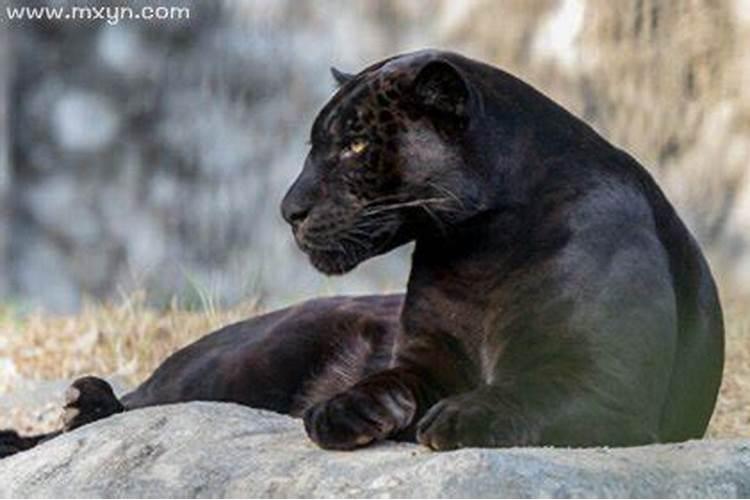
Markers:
point(301, 197)
point(294, 213)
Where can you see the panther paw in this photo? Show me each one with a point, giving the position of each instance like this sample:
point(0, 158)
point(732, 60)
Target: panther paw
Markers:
point(89, 399)
point(471, 420)
point(357, 418)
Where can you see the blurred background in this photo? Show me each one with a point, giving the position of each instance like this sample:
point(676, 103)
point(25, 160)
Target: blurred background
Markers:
point(153, 155)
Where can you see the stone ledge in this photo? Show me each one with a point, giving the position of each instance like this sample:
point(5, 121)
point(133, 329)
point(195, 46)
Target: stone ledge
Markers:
point(226, 450)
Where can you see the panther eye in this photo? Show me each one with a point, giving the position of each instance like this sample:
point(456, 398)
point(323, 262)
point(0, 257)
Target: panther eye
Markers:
point(357, 146)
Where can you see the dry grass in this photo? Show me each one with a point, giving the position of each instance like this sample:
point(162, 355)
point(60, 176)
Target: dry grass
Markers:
point(128, 341)
point(732, 415)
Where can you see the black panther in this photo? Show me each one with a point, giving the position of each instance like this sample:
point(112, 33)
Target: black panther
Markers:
point(555, 296)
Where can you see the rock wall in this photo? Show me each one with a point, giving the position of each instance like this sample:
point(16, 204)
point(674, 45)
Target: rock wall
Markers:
point(154, 155)
point(5, 64)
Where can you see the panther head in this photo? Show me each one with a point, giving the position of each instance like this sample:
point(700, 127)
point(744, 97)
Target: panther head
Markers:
point(386, 164)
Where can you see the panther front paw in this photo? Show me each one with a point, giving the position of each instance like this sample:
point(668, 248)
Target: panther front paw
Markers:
point(471, 420)
point(357, 418)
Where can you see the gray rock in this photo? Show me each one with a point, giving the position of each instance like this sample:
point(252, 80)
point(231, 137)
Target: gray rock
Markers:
point(225, 450)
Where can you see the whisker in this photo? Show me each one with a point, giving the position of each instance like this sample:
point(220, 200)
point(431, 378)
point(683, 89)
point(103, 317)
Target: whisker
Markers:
point(354, 240)
point(405, 204)
point(382, 199)
point(438, 222)
point(448, 192)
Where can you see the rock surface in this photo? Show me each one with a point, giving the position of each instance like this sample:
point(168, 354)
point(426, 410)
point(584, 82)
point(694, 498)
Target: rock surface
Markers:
point(225, 450)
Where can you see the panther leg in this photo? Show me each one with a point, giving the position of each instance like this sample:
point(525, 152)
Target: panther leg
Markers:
point(89, 399)
point(501, 417)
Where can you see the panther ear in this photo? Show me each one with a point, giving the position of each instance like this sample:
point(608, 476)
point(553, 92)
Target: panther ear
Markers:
point(439, 88)
point(340, 77)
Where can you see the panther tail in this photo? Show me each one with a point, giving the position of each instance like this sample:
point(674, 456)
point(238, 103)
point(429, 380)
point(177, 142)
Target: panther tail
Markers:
point(88, 399)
